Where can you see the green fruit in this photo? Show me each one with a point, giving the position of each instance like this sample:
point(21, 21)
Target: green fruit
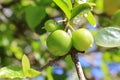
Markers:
point(51, 25)
point(82, 39)
point(59, 43)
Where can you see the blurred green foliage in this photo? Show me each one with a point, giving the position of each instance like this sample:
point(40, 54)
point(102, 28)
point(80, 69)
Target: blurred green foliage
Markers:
point(22, 32)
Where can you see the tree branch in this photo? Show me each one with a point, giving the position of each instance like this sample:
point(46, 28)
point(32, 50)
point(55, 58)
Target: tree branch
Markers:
point(52, 62)
point(74, 55)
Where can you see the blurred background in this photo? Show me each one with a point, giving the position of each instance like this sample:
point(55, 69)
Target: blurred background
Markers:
point(21, 32)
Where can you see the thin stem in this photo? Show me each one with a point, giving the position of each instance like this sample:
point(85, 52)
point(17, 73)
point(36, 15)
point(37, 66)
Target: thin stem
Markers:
point(64, 20)
point(68, 25)
point(74, 55)
point(52, 62)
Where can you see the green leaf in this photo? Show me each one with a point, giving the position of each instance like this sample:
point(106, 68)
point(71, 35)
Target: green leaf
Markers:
point(65, 6)
point(107, 56)
point(25, 64)
point(34, 16)
point(116, 58)
point(105, 71)
point(49, 73)
point(29, 72)
point(103, 21)
point(11, 72)
point(69, 62)
point(91, 18)
point(99, 6)
point(81, 8)
point(32, 73)
point(108, 37)
point(69, 3)
point(116, 18)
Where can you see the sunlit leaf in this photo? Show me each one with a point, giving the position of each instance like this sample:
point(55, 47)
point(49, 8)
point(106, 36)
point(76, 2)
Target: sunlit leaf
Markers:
point(34, 16)
point(69, 62)
point(107, 56)
point(25, 64)
point(108, 37)
point(11, 72)
point(17, 50)
point(81, 8)
point(65, 6)
point(90, 19)
point(26, 2)
point(49, 73)
point(35, 45)
point(69, 3)
point(29, 72)
point(32, 73)
point(105, 71)
point(116, 58)
point(99, 6)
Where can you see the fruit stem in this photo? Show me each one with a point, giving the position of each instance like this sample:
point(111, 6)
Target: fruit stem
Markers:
point(52, 62)
point(64, 20)
point(68, 25)
point(74, 55)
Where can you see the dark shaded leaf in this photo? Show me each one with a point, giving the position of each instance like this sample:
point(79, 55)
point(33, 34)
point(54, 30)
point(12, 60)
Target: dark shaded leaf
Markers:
point(116, 18)
point(34, 15)
point(81, 8)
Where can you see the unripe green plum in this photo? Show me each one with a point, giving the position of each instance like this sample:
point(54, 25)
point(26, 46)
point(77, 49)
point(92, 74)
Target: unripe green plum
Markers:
point(82, 39)
point(59, 43)
point(51, 25)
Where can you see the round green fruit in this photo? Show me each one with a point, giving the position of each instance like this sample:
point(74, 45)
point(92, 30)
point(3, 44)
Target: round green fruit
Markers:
point(51, 25)
point(59, 43)
point(82, 39)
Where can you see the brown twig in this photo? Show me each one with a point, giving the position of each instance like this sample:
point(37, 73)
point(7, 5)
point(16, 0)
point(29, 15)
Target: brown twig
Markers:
point(52, 62)
point(74, 55)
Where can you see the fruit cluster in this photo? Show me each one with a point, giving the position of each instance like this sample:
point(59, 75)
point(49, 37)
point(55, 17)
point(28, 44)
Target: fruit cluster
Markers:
point(60, 42)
